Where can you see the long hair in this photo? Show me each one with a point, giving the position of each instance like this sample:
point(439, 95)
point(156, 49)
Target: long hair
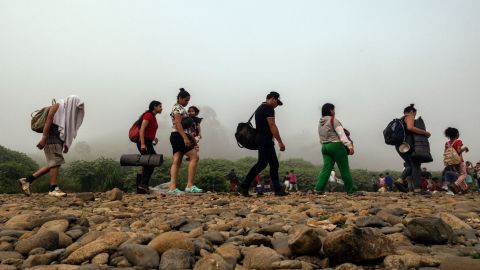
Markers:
point(151, 107)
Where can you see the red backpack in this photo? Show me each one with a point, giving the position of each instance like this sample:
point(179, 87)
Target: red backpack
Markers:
point(134, 132)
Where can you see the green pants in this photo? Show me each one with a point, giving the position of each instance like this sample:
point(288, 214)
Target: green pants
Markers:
point(335, 152)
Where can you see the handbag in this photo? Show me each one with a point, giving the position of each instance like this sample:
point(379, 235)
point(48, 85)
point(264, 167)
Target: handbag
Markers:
point(246, 134)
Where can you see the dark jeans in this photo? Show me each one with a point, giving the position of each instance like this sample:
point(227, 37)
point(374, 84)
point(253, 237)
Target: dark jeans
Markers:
point(266, 156)
point(412, 168)
point(147, 170)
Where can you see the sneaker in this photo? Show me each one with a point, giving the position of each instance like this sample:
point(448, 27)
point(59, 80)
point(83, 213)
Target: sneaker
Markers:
point(243, 191)
point(57, 193)
point(450, 193)
point(193, 189)
point(175, 192)
point(25, 186)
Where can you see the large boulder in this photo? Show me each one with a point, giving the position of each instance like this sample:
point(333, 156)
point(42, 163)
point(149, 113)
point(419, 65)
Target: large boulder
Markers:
point(58, 226)
point(176, 259)
point(429, 230)
point(169, 240)
point(305, 241)
point(357, 245)
point(44, 239)
point(143, 256)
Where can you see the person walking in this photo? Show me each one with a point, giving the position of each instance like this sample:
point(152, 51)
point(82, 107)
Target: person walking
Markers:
point(267, 130)
point(335, 149)
point(183, 144)
point(293, 181)
point(232, 178)
point(412, 167)
point(61, 127)
point(453, 135)
point(147, 140)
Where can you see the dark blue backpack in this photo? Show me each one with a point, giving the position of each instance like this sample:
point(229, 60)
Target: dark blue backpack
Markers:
point(394, 133)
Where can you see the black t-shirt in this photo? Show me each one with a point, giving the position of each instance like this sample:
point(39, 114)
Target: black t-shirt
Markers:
point(263, 112)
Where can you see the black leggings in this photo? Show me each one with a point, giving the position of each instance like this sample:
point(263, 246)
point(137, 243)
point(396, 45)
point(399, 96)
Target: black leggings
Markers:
point(266, 156)
point(412, 168)
point(147, 170)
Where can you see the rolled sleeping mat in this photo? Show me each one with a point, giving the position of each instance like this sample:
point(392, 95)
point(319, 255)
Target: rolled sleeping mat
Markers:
point(141, 160)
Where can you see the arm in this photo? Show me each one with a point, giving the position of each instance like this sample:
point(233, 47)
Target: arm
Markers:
point(48, 125)
point(144, 126)
point(178, 125)
point(199, 127)
point(275, 132)
point(343, 136)
point(410, 120)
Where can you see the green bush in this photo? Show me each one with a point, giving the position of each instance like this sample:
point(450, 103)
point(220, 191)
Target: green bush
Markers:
point(14, 165)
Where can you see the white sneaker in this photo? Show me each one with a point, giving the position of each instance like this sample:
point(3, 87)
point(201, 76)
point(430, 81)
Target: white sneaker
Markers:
point(57, 193)
point(25, 186)
point(450, 193)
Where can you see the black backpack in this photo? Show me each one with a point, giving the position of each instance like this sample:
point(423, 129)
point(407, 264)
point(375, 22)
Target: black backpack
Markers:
point(394, 133)
point(246, 134)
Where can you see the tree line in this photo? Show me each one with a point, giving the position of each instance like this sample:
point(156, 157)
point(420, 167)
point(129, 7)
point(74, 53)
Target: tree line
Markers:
point(104, 174)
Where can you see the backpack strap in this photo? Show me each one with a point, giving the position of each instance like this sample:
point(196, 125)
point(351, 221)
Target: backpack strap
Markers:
point(251, 117)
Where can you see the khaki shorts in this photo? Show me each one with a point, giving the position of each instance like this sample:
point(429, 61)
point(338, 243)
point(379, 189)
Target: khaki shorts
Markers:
point(54, 155)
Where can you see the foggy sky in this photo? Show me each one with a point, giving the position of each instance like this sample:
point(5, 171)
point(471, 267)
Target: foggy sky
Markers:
point(370, 58)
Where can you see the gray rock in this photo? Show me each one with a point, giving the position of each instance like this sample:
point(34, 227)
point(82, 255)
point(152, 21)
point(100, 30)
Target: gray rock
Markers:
point(202, 243)
point(280, 245)
point(42, 259)
point(214, 237)
point(169, 240)
point(271, 229)
point(191, 226)
point(143, 256)
point(76, 233)
point(177, 222)
point(37, 251)
point(391, 230)
point(58, 226)
point(10, 255)
point(176, 259)
point(453, 263)
point(256, 239)
point(13, 233)
point(5, 246)
point(357, 245)
point(114, 194)
point(370, 221)
point(101, 259)
point(429, 230)
point(289, 264)
point(86, 196)
point(46, 239)
point(305, 241)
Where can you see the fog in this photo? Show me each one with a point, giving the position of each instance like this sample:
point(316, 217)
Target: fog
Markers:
point(370, 58)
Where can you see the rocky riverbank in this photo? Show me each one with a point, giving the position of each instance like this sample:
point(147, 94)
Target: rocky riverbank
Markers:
point(226, 232)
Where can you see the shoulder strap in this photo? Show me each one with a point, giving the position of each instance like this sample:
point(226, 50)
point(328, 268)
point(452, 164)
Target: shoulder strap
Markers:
point(251, 117)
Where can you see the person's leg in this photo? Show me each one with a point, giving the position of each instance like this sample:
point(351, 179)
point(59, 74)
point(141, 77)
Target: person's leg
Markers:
point(341, 158)
point(407, 171)
point(328, 162)
point(54, 177)
point(192, 166)
point(257, 168)
point(41, 172)
point(462, 177)
point(274, 166)
point(176, 163)
point(416, 174)
point(147, 170)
